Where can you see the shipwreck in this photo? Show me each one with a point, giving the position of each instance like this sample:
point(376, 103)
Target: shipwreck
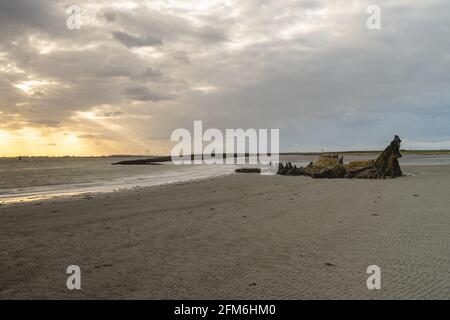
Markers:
point(332, 166)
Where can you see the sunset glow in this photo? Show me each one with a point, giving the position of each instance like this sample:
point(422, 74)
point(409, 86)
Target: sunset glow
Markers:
point(137, 70)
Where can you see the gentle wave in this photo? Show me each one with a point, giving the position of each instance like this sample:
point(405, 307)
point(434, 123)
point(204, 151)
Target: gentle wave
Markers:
point(172, 174)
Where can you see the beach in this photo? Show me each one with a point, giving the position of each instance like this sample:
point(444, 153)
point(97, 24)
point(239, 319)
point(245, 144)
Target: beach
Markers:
point(238, 236)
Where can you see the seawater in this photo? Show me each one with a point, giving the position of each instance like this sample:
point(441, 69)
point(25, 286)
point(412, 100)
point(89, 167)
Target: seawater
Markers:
point(42, 178)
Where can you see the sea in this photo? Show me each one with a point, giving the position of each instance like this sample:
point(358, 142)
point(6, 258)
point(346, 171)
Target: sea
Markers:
point(38, 178)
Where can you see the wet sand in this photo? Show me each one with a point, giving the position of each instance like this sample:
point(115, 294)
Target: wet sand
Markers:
point(242, 236)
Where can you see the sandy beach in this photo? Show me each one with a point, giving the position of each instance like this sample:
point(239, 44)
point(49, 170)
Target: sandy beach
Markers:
point(241, 236)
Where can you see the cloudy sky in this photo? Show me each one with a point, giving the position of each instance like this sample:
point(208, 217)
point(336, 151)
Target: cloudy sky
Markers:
point(137, 70)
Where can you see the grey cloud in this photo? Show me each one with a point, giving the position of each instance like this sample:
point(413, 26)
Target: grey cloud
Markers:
point(109, 114)
point(26, 14)
point(173, 28)
point(329, 82)
point(131, 41)
point(145, 94)
point(151, 73)
point(109, 16)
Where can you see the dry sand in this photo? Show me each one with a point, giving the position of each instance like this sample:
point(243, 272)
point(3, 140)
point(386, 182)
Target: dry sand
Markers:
point(236, 237)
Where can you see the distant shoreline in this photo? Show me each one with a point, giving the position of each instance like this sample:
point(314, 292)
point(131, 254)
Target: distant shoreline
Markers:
point(412, 152)
point(352, 152)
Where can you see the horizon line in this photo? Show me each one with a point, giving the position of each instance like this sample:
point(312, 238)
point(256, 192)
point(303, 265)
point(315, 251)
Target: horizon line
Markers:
point(246, 154)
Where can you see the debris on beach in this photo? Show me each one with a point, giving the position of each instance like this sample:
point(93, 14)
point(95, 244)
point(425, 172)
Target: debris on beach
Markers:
point(151, 161)
point(103, 266)
point(332, 166)
point(248, 170)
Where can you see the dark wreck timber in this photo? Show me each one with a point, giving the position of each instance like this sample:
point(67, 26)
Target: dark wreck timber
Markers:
point(248, 170)
point(150, 161)
point(192, 157)
point(332, 166)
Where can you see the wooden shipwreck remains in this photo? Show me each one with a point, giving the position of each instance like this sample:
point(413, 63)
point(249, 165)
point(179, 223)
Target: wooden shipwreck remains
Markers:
point(332, 166)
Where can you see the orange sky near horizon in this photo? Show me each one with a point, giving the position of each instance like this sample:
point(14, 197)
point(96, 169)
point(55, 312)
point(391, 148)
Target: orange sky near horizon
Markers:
point(35, 142)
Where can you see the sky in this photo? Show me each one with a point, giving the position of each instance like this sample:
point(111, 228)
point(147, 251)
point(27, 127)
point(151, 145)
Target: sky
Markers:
point(137, 70)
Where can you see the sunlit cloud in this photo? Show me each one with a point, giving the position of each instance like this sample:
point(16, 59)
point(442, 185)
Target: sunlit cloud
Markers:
point(6, 138)
point(7, 66)
point(127, 5)
point(205, 89)
point(138, 69)
point(30, 87)
point(147, 53)
point(42, 46)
